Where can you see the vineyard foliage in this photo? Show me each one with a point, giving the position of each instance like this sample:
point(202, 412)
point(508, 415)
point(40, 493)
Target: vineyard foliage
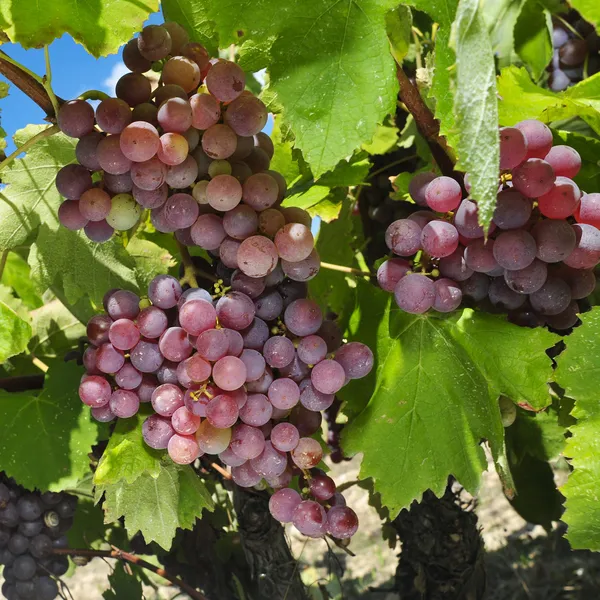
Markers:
point(430, 405)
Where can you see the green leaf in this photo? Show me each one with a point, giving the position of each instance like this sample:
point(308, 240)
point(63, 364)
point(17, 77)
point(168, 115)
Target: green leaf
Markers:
point(398, 23)
point(578, 374)
point(127, 456)
point(347, 172)
point(17, 275)
point(15, 333)
point(123, 584)
point(30, 196)
point(500, 17)
point(55, 428)
point(588, 9)
point(157, 506)
point(307, 195)
point(476, 138)
point(533, 37)
point(194, 17)
point(283, 160)
point(101, 27)
point(55, 330)
point(3, 93)
point(88, 530)
point(384, 140)
point(433, 395)
point(150, 260)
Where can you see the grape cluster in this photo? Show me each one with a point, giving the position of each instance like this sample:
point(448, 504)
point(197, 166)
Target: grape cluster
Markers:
point(191, 152)
point(32, 525)
point(244, 376)
point(538, 258)
point(576, 52)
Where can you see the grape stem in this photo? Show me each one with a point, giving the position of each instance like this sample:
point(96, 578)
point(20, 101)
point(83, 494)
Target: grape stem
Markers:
point(49, 131)
point(94, 95)
point(135, 560)
point(190, 270)
point(29, 83)
point(343, 269)
point(47, 81)
point(392, 164)
point(221, 470)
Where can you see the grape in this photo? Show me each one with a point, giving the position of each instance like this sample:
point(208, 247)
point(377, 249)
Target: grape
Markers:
point(123, 334)
point(342, 522)
point(212, 344)
point(211, 439)
point(118, 184)
point(111, 157)
point(132, 58)
point(527, 280)
point(559, 81)
point(418, 186)
point(97, 329)
point(513, 210)
point(294, 242)
point(72, 181)
point(95, 391)
point(245, 475)
point(513, 147)
point(109, 359)
point(246, 115)
point(224, 192)
point(70, 216)
point(255, 336)
point(145, 112)
point(314, 400)
point(312, 349)
point(279, 351)
point(514, 249)
point(149, 175)
point(303, 270)
point(154, 42)
point(270, 221)
point(113, 115)
point(303, 317)
point(501, 296)
point(182, 175)
point(229, 373)
point(76, 118)
point(328, 377)
point(179, 36)
point(228, 254)
point(168, 372)
point(222, 411)
point(123, 304)
point(257, 256)
point(24, 567)
point(41, 546)
point(183, 449)
point(453, 266)
point(573, 52)
point(184, 421)
point(235, 340)
point(174, 343)
point(562, 199)
point(263, 141)
point(139, 141)
point(310, 519)
point(241, 171)
point(151, 322)
point(533, 178)
point(443, 194)
point(221, 167)
point(128, 377)
point(46, 588)
point(181, 210)
point(293, 214)
point(157, 431)
point(192, 136)
point(230, 458)
point(565, 319)
point(193, 370)
point(284, 436)
point(587, 248)
point(89, 361)
point(164, 291)
point(9, 517)
point(356, 359)
point(202, 160)
point(146, 357)
point(283, 503)
point(175, 115)
point(390, 272)
point(241, 222)
point(205, 111)
point(98, 231)
point(588, 210)
point(219, 141)
point(552, 298)
point(254, 362)
point(151, 198)
point(538, 137)
point(466, 220)
point(322, 487)
point(207, 232)
point(277, 276)
point(479, 256)
point(194, 294)
point(257, 411)
point(166, 399)
point(251, 286)
point(86, 150)
point(284, 393)
point(415, 293)
point(439, 238)
point(270, 463)
point(555, 240)
point(403, 237)
point(235, 310)
point(269, 306)
point(247, 441)
point(165, 92)
point(182, 71)
point(124, 403)
point(564, 160)
point(581, 281)
point(197, 52)
point(225, 80)
point(261, 191)
point(124, 212)
point(134, 88)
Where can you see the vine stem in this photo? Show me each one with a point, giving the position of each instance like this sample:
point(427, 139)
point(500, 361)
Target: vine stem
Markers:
point(3, 260)
point(94, 95)
point(343, 269)
point(392, 164)
point(221, 470)
point(49, 131)
point(135, 560)
point(189, 271)
point(47, 81)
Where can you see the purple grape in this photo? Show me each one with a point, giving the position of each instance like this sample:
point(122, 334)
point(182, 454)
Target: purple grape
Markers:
point(225, 80)
point(586, 254)
point(283, 393)
point(72, 181)
point(146, 357)
point(69, 215)
point(390, 272)
point(403, 237)
point(313, 399)
point(229, 373)
point(183, 449)
point(278, 351)
point(538, 137)
point(222, 411)
point(235, 311)
point(443, 194)
point(513, 147)
point(128, 377)
point(152, 322)
point(418, 186)
point(513, 210)
point(466, 220)
point(151, 198)
point(97, 329)
point(303, 270)
point(533, 178)
point(552, 298)
point(439, 239)
point(109, 359)
point(164, 291)
point(342, 522)
point(86, 150)
point(245, 475)
point(113, 115)
point(303, 317)
point(123, 334)
point(95, 391)
point(501, 296)
point(479, 256)
point(565, 161)
point(124, 403)
point(76, 118)
point(310, 519)
point(356, 359)
point(555, 240)
point(207, 232)
point(475, 287)
point(328, 377)
point(247, 441)
point(256, 412)
point(562, 199)
point(415, 293)
point(111, 158)
point(283, 503)
point(148, 175)
point(514, 249)
point(527, 280)
point(157, 431)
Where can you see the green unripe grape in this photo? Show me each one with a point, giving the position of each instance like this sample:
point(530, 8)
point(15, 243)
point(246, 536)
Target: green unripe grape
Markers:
point(219, 167)
point(124, 212)
point(199, 192)
point(508, 411)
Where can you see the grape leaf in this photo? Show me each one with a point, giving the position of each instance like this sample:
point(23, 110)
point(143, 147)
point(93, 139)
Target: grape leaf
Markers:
point(194, 17)
point(127, 456)
point(3, 93)
point(123, 584)
point(88, 530)
point(330, 67)
point(533, 37)
point(15, 333)
point(577, 373)
point(157, 506)
point(101, 27)
point(150, 260)
point(398, 26)
point(384, 140)
point(17, 275)
point(433, 396)
point(55, 427)
point(588, 9)
point(500, 17)
point(55, 330)
point(476, 138)
point(8, 297)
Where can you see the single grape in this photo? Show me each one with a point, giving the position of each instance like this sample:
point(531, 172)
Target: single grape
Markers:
point(443, 194)
point(533, 178)
point(95, 391)
point(229, 373)
point(124, 403)
point(390, 272)
point(356, 359)
point(182, 71)
point(501, 296)
point(552, 298)
point(513, 210)
point(146, 356)
point(586, 254)
point(219, 141)
point(251, 286)
point(111, 157)
point(565, 161)
point(235, 310)
point(261, 191)
point(134, 88)
point(466, 220)
point(303, 270)
point(109, 359)
point(113, 115)
point(164, 291)
point(513, 147)
point(283, 503)
point(230, 458)
point(479, 256)
point(225, 80)
point(128, 377)
point(151, 322)
point(573, 52)
point(588, 210)
point(154, 42)
point(418, 186)
point(257, 256)
point(97, 329)
point(157, 431)
point(123, 334)
point(303, 317)
point(123, 304)
point(151, 198)
point(241, 222)
point(403, 237)
point(24, 567)
point(561, 201)
point(76, 118)
point(439, 238)
point(174, 344)
point(198, 53)
point(257, 411)
point(312, 349)
point(342, 522)
point(527, 280)
point(245, 475)
point(310, 519)
point(514, 249)
point(118, 184)
point(213, 440)
point(183, 449)
point(132, 58)
point(294, 214)
point(86, 150)
point(247, 441)
point(149, 175)
point(538, 137)
point(555, 240)
point(72, 181)
point(207, 232)
point(294, 242)
point(98, 231)
point(246, 115)
point(222, 411)
point(581, 281)
point(564, 320)
point(314, 400)
point(415, 293)
point(145, 112)
point(182, 175)
point(328, 376)
point(224, 192)
point(69, 215)
point(321, 487)
point(220, 167)
point(181, 210)
point(475, 287)
point(205, 111)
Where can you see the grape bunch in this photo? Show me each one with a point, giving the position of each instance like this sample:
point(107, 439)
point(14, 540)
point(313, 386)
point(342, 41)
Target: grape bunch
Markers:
point(539, 256)
point(576, 51)
point(244, 376)
point(192, 152)
point(32, 525)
